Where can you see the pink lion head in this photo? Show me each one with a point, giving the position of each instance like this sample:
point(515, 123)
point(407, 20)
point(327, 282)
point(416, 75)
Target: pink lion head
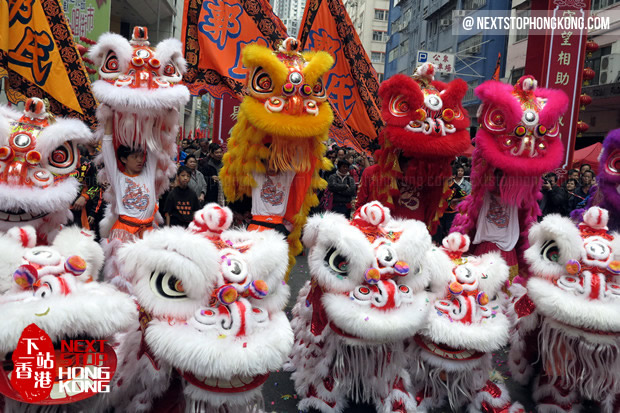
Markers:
point(519, 131)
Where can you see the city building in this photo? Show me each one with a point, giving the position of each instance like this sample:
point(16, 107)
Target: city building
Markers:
point(290, 12)
point(162, 17)
point(603, 114)
point(425, 25)
point(370, 19)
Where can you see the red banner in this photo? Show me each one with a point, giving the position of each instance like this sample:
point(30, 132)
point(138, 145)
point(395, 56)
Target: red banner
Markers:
point(39, 58)
point(561, 67)
point(224, 118)
point(214, 33)
point(351, 84)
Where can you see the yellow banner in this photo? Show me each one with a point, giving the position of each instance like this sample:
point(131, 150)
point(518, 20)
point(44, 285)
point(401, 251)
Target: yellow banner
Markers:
point(32, 51)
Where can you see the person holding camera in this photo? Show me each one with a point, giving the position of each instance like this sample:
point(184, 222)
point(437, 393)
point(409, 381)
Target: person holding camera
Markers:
point(554, 198)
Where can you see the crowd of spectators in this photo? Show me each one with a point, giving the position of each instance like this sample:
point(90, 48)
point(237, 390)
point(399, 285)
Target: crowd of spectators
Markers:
point(574, 193)
point(197, 183)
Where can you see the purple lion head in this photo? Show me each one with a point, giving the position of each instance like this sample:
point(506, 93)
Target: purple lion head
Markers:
point(609, 170)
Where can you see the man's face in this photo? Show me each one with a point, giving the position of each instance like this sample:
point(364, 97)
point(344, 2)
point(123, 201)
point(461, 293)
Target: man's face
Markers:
point(134, 163)
point(586, 178)
point(184, 144)
point(343, 169)
point(551, 180)
point(217, 154)
point(574, 175)
point(331, 156)
point(584, 168)
point(191, 163)
point(570, 186)
point(341, 154)
point(204, 146)
point(460, 172)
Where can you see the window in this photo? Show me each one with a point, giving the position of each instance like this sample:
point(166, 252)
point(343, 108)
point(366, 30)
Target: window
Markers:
point(404, 47)
point(393, 54)
point(377, 57)
point(595, 63)
point(473, 4)
point(522, 33)
point(379, 36)
point(381, 14)
point(380, 77)
point(471, 45)
point(515, 74)
point(601, 4)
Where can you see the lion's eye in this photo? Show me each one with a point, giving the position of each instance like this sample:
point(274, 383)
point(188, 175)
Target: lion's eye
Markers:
point(336, 262)
point(167, 285)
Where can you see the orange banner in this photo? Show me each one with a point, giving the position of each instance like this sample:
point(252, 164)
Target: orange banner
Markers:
point(215, 33)
point(351, 84)
point(39, 57)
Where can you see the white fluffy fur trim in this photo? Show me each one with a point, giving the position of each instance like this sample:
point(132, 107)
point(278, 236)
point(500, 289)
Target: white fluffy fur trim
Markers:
point(111, 41)
point(500, 401)
point(211, 220)
point(495, 268)
point(11, 252)
point(37, 201)
point(210, 355)
point(456, 242)
point(155, 101)
point(573, 310)
point(240, 402)
point(374, 213)
point(331, 230)
point(489, 335)
point(566, 236)
point(375, 325)
point(189, 257)
point(94, 309)
point(267, 260)
point(26, 236)
point(171, 50)
point(76, 241)
point(596, 217)
point(61, 131)
point(412, 247)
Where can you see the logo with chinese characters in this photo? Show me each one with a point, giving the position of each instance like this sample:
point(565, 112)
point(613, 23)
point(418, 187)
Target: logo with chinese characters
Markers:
point(48, 374)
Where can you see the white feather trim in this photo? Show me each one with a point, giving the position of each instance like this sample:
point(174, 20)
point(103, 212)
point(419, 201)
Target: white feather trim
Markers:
point(76, 241)
point(93, 309)
point(211, 355)
point(171, 50)
point(553, 228)
point(155, 101)
point(111, 41)
point(573, 310)
point(63, 130)
point(489, 335)
point(373, 325)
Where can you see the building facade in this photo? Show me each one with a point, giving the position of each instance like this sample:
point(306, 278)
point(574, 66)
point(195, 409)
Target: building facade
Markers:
point(290, 12)
point(603, 114)
point(427, 25)
point(370, 19)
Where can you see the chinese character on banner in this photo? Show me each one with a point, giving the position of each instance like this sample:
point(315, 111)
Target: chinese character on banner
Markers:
point(557, 61)
point(34, 362)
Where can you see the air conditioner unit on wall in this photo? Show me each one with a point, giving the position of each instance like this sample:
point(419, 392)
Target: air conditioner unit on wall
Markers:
point(445, 22)
point(610, 69)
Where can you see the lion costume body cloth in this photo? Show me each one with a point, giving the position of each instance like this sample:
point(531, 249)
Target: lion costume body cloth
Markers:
point(280, 134)
point(518, 141)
